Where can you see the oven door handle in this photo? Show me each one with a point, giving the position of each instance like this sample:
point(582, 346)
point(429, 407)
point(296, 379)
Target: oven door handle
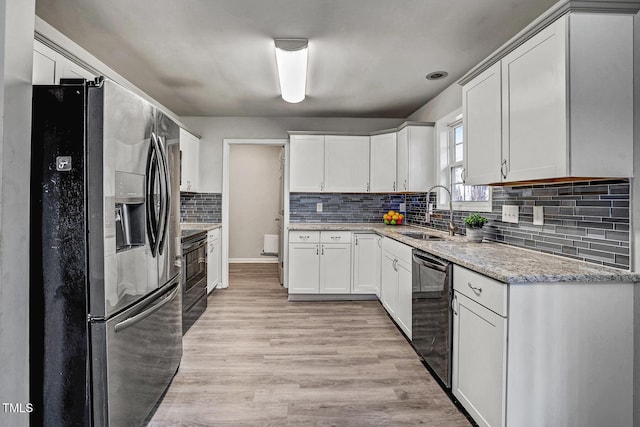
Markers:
point(193, 246)
point(427, 263)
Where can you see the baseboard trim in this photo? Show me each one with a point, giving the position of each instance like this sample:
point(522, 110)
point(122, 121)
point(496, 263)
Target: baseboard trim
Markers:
point(333, 297)
point(261, 260)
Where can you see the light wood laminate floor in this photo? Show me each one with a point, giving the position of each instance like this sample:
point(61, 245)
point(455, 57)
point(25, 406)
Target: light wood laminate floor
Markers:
point(255, 359)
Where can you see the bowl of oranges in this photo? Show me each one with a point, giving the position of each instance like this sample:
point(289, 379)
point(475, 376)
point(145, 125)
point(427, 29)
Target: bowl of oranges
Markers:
point(393, 218)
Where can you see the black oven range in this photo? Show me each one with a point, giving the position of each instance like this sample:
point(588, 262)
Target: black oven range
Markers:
point(194, 276)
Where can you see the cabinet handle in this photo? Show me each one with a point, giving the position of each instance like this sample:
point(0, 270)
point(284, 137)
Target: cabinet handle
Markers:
point(475, 290)
point(395, 264)
point(317, 249)
point(379, 242)
point(394, 186)
point(454, 301)
point(335, 237)
point(503, 169)
point(304, 237)
point(322, 249)
point(405, 184)
point(356, 240)
point(464, 175)
point(321, 185)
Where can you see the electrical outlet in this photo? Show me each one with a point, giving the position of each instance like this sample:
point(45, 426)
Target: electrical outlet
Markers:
point(510, 213)
point(318, 207)
point(403, 207)
point(538, 215)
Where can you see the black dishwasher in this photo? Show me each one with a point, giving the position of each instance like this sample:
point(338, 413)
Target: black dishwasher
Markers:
point(431, 313)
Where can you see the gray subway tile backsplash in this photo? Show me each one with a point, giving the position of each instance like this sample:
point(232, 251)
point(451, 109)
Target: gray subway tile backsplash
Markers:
point(588, 221)
point(201, 207)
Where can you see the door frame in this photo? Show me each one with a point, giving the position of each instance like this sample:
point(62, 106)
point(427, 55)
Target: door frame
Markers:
point(226, 147)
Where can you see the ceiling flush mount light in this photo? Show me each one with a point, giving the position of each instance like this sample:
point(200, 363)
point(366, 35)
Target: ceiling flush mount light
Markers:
point(291, 56)
point(437, 75)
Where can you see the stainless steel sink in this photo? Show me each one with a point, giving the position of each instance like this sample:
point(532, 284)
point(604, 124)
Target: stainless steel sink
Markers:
point(420, 235)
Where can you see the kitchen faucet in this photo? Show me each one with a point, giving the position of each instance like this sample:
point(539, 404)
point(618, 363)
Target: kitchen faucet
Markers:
point(452, 228)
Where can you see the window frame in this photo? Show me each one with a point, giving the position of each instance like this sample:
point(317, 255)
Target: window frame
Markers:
point(445, 152)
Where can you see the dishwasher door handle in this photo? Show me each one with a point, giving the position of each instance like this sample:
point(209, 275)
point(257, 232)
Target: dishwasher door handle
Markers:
point(428, 263)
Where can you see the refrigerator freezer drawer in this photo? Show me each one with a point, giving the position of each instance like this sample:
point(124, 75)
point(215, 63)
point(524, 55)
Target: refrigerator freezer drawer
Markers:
point(143, 348)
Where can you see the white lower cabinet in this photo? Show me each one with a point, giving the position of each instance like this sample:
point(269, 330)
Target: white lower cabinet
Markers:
point(367, 250)
point(395, 286)
point(542, 354)
point(479, 360)
point(214, 260)
point(320, 262)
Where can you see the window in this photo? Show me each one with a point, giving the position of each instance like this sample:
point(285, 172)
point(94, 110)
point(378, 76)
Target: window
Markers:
point(451, 157)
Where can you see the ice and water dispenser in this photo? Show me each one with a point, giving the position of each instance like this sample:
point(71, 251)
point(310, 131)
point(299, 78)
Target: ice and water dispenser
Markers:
point(129, 211)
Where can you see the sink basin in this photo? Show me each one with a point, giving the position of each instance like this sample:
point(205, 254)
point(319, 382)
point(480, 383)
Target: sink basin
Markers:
point(421, 235)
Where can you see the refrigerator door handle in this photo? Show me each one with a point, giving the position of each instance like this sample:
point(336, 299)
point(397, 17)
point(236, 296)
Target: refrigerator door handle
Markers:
point(148, 312)
point(152, 221)
point(167, 196)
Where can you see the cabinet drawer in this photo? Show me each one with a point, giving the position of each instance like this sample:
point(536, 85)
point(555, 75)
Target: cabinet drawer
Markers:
point(335, 237)
point(400, 250)
point(213, 234)
point(488, 292)
point(304, 236)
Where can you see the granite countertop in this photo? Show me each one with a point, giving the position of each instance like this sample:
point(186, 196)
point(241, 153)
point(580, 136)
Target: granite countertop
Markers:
point(206, 226)
point(502, 262)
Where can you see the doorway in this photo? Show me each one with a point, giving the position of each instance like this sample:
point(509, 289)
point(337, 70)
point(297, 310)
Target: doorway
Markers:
point(255, 202)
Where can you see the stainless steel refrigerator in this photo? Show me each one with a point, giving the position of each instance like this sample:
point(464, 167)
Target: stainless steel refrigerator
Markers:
point(105, 296)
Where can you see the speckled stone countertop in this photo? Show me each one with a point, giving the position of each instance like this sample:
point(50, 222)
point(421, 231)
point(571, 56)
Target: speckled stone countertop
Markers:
point(206, 226)
point(502, 262)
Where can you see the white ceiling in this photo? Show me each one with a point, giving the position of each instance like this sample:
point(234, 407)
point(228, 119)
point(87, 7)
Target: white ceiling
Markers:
point(367, 58)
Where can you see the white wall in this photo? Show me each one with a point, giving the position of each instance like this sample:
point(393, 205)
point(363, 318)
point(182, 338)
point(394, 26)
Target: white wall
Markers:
point(214, 129)
point(446, 102)
point(254, 198)
point(16, 62)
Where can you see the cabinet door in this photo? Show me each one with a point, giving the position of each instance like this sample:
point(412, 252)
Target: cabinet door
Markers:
point(403, 314)
point(382, 174)
point(44, 65)
point(416, 158)
point(479, 361)
point(402, 179)
point(71, 70)
point(366, 264)
point(189, 159)
point(306, 163)
point(213, 264)
point(482, 127)
point(335, 268)
point(346, 163)
point(421, 172)
point(534, 106)
point(304, 268)
point(389, 283)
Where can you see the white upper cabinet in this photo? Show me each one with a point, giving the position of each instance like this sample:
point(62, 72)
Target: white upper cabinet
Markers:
point(50, 66)
point(44, 64)
point(566, 102)
point(346, 164)
point(306, 163)
point(382, 168)
point(401, 161)
point(482, 127)
point(189, 160)
point(415, 158)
